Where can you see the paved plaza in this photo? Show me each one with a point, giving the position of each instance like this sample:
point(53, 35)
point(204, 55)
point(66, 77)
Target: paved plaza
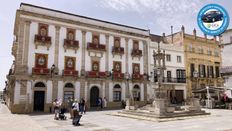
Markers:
point(219, 120)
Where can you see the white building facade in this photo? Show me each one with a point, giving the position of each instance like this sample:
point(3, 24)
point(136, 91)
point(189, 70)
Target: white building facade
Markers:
point(174, 76)
point(60, 55)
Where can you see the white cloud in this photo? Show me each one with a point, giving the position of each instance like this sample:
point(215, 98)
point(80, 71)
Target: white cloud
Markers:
point(163, 13)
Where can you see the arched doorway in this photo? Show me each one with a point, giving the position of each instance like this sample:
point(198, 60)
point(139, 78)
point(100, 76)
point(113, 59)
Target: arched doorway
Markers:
point(39, 96)
point(117, 93)
point(68, 92)
point(94, 95)
point(136, 93)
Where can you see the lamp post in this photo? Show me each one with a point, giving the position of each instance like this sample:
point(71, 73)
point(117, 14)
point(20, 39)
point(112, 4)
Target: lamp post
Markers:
point(128, 97)
point(208, 95)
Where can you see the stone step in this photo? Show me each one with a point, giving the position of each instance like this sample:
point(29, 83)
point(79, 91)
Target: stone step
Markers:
point(167, 115)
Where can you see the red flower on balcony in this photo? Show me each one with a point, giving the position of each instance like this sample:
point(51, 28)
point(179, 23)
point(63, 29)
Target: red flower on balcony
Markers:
point(40, 71)
point(117, 75)
point(71, 44)
point(136, 53)
point(118, 50)
point(96, 74)
point(70, 73)
point(137, 77)
point(97, 47)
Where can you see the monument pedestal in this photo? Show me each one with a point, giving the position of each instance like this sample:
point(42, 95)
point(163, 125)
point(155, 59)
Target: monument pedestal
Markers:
point(159, 106)
point(130, 105)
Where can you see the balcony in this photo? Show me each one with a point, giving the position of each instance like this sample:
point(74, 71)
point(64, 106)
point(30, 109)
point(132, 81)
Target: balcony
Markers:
point(118, 76)
point(136, 53)
point(71, 44)
point(117, 51)
point(42, 41)
point(95, 74)
point(70, 73)
point(96, 47)
point(40, 71)
point(174, 80)
point(137, 77)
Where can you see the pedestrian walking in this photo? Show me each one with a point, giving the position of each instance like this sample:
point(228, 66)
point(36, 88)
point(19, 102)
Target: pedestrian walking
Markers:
point(56, 106)
point(76, 116)
point(104, 102)
point(82, 106)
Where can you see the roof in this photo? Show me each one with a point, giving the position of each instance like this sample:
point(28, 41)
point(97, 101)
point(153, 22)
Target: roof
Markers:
point(156, 38)
point(26, 4)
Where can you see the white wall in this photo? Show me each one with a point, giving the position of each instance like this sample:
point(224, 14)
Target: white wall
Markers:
point(60, 90)
point(49, 92)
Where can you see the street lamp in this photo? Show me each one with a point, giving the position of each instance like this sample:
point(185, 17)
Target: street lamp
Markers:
point(208, 95)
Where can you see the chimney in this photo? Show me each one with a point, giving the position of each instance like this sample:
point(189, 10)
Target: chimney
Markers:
point(163, 34)
point(182, 31)
point(164, 37)
point(195, 33)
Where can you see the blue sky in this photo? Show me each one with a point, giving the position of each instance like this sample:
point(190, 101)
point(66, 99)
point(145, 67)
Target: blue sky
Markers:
point(156, 15)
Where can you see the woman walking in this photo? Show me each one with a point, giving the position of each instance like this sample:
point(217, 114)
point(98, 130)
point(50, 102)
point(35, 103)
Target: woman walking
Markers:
point(56, 105)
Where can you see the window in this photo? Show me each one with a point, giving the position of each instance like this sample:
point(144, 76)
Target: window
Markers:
point(95, 66)
point(168, 57)
point(192, 69)
point(190, 47)
point(217, 71)
point(70, 34)
point(179, 59)
point(117, 93)
point(136, 93)
point(216, 53)
point(202, 71)
point(180, 75)
point(136, 68)
point(43, 29)
point(117, 66)
point(135, 45)
point(209, 52)
point(117, 42)
point(41, 60)
point(70, 63)
point(69, 85)
point(95, 39)
point(169, 76)
point(200, 50)
point(39, 84)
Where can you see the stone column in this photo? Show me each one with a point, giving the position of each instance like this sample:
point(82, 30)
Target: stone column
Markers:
point(83, 52)
point(145, 67)
point(82, 89)
point(107, 90)
point(127, 54)
point(54, 89)
point(19, 57)
point(107, 52)
point(127, 64)
point(57, 41)
point(26, 42)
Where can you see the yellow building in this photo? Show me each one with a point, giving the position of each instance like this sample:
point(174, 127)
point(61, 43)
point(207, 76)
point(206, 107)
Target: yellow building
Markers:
point(202, 62)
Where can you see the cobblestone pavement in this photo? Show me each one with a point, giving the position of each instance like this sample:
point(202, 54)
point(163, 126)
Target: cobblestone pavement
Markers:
point(16, 122)
point(219, 120)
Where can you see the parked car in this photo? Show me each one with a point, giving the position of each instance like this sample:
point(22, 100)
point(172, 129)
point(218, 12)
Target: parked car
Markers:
point(212, 16)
